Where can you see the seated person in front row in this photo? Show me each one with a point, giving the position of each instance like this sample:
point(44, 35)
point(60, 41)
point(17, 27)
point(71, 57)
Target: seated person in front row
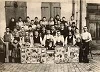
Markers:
point(36, 38)
point(42, 32)
point(53, 30)
point(27, 39)
point(50, 45)
point(69, 39)
point(47, 38)
point(59, 39)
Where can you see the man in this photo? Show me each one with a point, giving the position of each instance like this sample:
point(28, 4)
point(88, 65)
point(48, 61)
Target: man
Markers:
point(86, 38)
point(53, 30)
point(36, 38)
point(48, 38)
point(62, 30)
point(59, 39)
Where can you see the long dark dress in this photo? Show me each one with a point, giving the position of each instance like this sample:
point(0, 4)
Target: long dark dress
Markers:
point(15, 52)
point(12, 25)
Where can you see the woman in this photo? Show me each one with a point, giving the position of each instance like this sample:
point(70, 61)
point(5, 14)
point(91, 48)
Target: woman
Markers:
point(12, 24)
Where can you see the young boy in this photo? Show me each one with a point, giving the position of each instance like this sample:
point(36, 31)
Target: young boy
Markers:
point(36, 21)
point(32, 24)
point(44, 21)
point(7, 35)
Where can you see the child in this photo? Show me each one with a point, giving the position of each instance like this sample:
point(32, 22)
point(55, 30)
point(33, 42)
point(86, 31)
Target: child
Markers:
point(16, 33)
point(20, 22)
point(15, 47)
point(27, 21)
point(51, 21)
point(44, 21)
point(36, 21)
point(17, 26)
point(50, 45)
point(32, 24)
point(7, 35)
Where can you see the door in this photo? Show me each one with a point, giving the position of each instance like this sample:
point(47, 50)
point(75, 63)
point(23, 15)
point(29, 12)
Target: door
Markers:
point(50, 9)
point(15, 9)
point(93, 19)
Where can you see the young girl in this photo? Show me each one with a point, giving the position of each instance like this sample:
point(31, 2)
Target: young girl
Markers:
point(15, 47)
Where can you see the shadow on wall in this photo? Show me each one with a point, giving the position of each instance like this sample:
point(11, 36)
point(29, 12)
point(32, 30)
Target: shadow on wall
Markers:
point(95, 45)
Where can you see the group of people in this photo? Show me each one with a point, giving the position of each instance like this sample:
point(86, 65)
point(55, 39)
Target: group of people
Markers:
point(48, 33)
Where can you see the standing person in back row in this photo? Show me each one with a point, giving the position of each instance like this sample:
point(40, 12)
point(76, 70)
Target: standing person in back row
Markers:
point(12, 24)
point(86, 38)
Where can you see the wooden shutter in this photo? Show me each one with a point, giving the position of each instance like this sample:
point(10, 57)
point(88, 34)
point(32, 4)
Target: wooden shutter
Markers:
point(56, 9)
point(45, 10)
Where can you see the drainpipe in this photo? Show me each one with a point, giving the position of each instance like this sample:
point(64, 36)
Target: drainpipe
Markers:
point(73, 8)
point(80, 25)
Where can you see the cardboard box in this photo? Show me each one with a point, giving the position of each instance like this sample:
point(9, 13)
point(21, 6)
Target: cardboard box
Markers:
point(73, 54)
point(32, 55)
point(43, 57)
point(59, 55)
point(50, 57)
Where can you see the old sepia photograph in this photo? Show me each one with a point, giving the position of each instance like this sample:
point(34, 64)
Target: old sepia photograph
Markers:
point(49, 35)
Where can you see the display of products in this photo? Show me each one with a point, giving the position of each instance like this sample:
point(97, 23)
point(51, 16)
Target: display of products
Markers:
point(41, 55)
